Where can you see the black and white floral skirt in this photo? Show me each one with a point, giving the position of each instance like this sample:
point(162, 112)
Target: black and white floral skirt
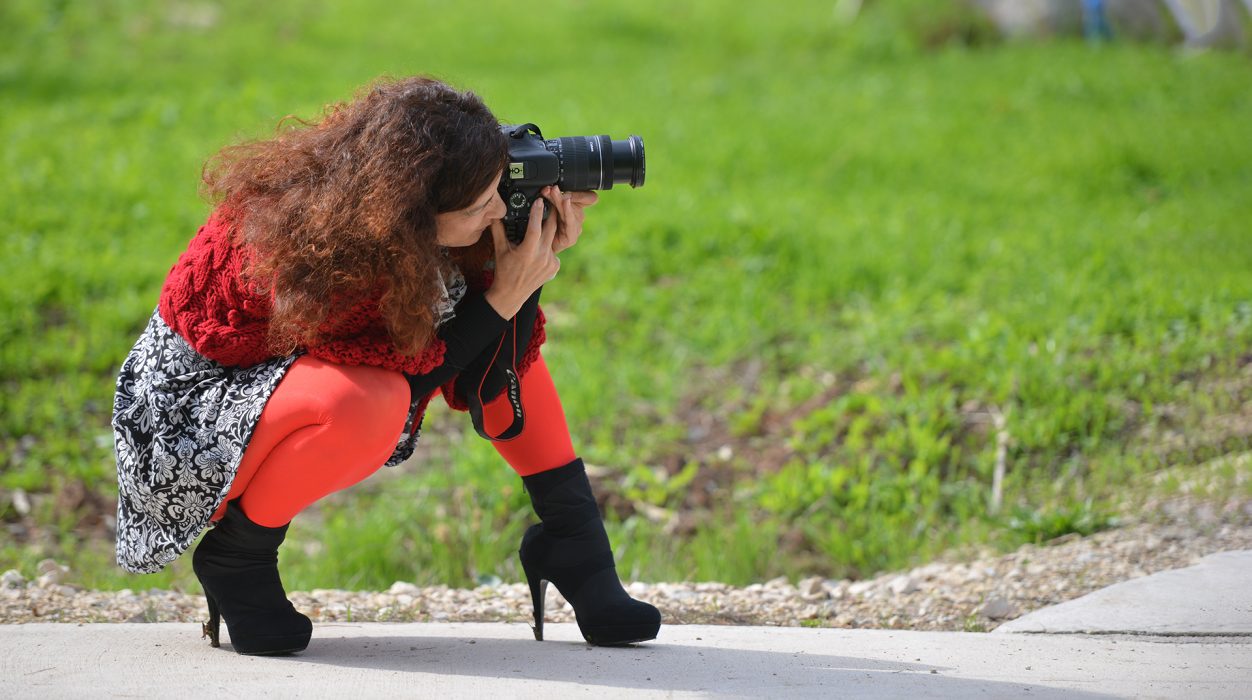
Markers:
point(181, 423)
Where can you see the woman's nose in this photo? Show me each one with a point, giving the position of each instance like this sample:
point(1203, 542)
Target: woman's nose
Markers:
point(497, 207)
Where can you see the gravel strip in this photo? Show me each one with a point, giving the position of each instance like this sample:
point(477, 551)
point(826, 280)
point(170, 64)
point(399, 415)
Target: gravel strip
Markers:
point(975, 593)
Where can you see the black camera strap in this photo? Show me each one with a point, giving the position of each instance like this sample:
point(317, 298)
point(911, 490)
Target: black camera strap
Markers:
point(512, 388)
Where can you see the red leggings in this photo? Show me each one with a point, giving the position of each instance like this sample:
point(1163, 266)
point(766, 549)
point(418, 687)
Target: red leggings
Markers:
point(328, 426)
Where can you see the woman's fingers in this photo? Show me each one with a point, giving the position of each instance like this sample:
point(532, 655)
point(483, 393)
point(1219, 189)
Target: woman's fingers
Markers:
point(561, 201)
point(523, 268)
point(562, 226)
point(583, 199)
point(498, 237)
point(571, 206)
point(548, 232)
point(534, 225)
point(538, 242)
point(567, 208)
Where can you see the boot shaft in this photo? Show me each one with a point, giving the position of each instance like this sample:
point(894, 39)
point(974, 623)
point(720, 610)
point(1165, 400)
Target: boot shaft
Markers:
point(562, 498)
point(237, 543)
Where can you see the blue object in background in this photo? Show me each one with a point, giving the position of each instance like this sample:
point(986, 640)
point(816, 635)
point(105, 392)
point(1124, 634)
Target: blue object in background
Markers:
point(1095, 22)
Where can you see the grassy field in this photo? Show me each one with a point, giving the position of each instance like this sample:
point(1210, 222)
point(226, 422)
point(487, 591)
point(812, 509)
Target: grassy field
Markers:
point(868, 267)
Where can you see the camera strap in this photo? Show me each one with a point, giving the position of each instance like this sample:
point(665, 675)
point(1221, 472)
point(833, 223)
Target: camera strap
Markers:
point(512, 388)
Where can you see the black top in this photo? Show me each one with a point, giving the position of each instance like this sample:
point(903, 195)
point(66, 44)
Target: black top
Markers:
point(475, 337)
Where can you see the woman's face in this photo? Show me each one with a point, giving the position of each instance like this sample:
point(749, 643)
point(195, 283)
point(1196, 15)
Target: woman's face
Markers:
point(463, 227)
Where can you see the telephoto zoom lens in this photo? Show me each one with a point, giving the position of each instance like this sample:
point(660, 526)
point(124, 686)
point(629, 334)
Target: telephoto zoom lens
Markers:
point(598, 162)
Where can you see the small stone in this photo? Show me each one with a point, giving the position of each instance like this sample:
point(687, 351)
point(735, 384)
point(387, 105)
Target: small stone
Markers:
point(812, 587)
point(901, 585)
point(21, 502)
point(51, 573)
point(929, 571)
point(404, 588)
point(49, 565)
point(997, 608)
point(834, 588)
point(860, 588)
point(12, 579)
point(776, 583)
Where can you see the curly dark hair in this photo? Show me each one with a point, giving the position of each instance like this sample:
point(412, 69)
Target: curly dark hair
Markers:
point(335, 211)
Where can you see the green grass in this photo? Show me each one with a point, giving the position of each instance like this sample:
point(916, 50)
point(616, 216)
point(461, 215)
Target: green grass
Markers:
point(854, 249)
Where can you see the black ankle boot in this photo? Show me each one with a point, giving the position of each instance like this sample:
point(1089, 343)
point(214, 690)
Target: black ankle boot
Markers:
point(571, 549)
point(237, 564)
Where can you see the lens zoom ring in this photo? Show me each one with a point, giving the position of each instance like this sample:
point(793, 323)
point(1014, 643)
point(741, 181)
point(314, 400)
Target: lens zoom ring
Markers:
point(577, 170)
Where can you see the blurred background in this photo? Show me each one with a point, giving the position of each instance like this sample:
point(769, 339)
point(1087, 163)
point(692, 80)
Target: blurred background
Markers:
point(906, 276)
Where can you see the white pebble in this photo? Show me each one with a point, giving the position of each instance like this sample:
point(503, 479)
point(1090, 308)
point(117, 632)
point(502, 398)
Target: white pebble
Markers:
point(404, 588)
point(811, 587)
point(860, 588)
point(998, 608)
point(901, 585)
point(780, 582)
point(12, 579)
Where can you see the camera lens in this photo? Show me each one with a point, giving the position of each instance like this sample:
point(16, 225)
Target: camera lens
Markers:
point(628, 163)
point(598, 162)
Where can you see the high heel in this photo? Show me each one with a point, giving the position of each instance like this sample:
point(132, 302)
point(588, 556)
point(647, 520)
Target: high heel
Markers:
point(237, 565)
point(538, 599)
point(571, 549)
point(212, 628)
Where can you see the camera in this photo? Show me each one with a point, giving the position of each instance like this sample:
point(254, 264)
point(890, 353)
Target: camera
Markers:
point(572, 163)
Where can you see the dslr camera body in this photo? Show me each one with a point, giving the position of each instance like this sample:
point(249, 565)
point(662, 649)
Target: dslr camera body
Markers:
point(572, 163)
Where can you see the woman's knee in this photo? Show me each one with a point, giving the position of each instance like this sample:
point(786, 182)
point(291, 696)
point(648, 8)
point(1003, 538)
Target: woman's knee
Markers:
point(369, 404)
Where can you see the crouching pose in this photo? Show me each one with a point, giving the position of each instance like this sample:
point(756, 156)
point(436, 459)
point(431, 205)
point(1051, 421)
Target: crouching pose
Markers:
point(353, 268)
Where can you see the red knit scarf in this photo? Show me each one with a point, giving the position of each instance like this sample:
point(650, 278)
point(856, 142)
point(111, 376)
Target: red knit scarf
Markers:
point(205, 301)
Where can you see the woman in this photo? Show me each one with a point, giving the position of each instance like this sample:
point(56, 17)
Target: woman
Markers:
point(353, 268)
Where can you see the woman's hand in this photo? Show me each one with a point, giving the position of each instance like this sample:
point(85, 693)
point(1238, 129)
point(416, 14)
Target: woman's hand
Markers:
point(525, 267)
point(570, 208)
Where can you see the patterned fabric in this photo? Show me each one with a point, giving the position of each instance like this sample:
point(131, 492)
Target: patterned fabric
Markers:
point(180, 426)
point(181, 423)
point(453, 292)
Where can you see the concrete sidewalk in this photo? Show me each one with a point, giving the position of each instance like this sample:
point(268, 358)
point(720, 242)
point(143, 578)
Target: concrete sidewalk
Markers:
point(497, 660)
point(1212, 598)
point(503, 660)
